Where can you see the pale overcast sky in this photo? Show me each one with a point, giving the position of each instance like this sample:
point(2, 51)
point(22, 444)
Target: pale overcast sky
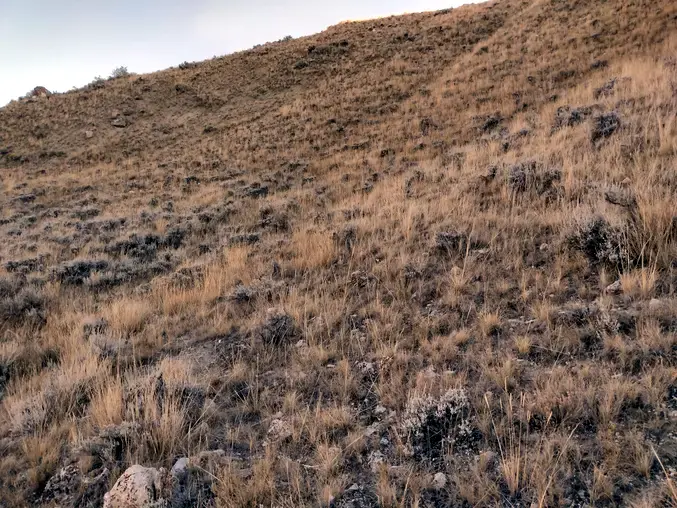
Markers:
point(60, 44)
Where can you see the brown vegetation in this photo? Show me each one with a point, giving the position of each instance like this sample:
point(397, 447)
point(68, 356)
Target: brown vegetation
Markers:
point(436, 243)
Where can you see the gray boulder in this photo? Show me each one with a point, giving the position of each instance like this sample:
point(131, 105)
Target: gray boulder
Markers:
point(139, 487)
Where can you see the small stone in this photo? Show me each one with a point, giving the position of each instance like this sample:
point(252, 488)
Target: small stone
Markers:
point(180, 468)
point(385, 441)
point(379, 410)
point(89, 134)
point(614, 289)
point(119, 122)
point(544, 247)
point(353, 487)
point(440, 481)
point(626, 182)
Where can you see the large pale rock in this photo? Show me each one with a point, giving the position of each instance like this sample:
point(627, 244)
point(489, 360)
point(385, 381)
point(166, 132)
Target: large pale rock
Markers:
point(138, 487)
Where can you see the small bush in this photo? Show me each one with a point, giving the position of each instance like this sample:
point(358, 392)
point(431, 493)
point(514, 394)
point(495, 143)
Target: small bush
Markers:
point(20, 303)
point(75, 273)
point(97, 83)
point(278, 330)
point(605, 125)
point(434, 424)
point(600, 242)
point(530, 175)
point(119, 72)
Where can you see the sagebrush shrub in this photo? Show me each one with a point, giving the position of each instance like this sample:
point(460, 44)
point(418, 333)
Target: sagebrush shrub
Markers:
point(119, 72)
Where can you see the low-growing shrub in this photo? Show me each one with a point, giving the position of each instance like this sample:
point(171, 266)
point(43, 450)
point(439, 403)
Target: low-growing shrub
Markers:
point(119, 72)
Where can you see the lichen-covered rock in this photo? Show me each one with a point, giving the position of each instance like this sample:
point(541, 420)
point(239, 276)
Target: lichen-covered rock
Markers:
point(138, 487)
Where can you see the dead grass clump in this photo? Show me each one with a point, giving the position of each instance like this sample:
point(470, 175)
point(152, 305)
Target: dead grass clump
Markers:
point(167, 415)
point(128, 316)
point(311, 250)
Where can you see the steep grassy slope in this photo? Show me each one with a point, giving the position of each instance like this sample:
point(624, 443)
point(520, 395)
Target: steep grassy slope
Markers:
point(436, 243)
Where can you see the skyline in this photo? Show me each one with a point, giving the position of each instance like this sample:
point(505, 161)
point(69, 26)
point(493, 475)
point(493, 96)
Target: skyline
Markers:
point(67, 44)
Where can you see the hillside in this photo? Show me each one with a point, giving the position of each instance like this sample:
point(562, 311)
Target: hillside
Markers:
point(426, 260)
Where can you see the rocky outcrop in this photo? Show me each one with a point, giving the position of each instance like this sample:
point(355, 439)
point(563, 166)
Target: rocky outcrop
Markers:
point(39, 91)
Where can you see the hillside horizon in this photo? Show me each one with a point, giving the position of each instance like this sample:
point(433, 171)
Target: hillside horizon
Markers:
point(64, 55)
point(423, 260)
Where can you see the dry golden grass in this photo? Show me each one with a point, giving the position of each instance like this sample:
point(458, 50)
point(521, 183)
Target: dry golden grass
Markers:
point(311, 250)
point(128, 316)
point(305, 240)
point(108, 406)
